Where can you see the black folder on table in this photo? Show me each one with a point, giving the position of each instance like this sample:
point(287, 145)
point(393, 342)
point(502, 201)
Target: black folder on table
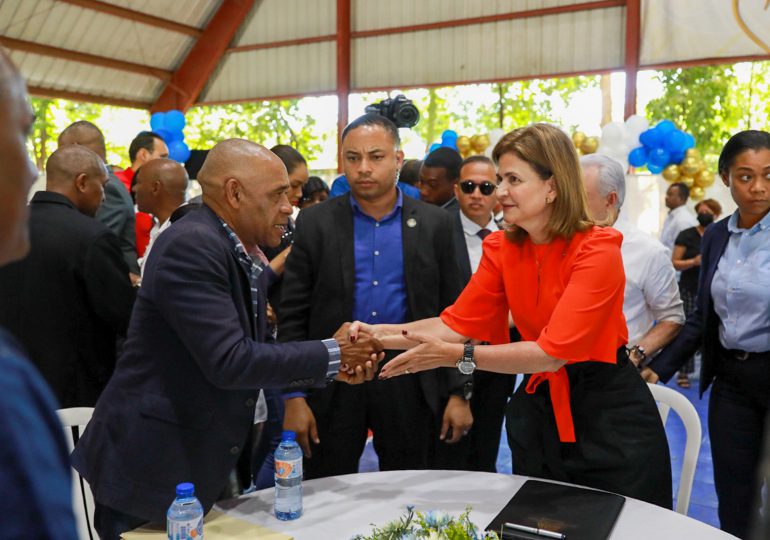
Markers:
point(578, 513)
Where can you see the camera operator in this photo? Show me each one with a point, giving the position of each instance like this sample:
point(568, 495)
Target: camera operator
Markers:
point(402, 112)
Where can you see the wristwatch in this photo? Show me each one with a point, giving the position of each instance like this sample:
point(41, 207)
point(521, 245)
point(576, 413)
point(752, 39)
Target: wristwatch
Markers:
point(466, 365)
point(640, 353)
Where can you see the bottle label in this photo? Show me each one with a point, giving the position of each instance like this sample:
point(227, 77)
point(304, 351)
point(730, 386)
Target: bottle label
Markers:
point(185, 530)
point(288, 468)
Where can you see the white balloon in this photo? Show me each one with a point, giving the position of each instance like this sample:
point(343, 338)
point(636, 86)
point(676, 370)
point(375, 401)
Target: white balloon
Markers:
point(613, 133)
point(637, 123)
point(494, 137)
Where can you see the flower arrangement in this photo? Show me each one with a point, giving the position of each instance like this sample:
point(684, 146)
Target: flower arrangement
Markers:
point(433, 525)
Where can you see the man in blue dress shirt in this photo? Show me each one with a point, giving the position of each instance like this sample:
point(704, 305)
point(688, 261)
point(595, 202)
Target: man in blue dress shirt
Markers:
point(376, 256)
point(34, 471)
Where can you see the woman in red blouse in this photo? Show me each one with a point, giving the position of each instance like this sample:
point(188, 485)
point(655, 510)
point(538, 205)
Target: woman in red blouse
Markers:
point(583, 414)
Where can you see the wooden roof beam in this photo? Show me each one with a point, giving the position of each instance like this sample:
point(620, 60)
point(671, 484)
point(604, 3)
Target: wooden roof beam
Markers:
point(187, 83)
point(84, 58)
point(138, 16)
point(40, 91)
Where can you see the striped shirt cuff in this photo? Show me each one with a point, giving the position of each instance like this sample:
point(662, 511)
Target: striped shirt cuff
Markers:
point(335, 356)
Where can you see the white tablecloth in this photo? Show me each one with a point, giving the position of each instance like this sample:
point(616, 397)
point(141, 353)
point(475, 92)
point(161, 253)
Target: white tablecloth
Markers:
point(342, 506)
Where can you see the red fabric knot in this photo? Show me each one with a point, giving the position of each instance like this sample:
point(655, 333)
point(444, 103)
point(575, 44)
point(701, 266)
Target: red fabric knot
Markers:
point(558, 383)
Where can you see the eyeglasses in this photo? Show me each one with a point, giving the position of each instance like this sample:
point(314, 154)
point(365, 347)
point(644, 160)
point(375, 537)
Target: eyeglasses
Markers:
point(486, 187)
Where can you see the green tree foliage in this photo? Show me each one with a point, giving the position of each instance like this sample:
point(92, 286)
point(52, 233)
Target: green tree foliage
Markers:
point(702, 101)
point(267, 122)
point(43, 139)
point(523, 102)
point(714, 102)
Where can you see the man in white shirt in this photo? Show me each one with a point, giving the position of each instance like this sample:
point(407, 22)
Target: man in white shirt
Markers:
point(475, 194)
point(160, 186)
point(652, 306)
point(679, 217)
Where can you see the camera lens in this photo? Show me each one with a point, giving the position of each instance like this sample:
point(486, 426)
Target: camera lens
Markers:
point(406, 115)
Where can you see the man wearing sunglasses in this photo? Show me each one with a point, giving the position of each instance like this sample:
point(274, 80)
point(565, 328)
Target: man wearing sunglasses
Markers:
point(475, 191)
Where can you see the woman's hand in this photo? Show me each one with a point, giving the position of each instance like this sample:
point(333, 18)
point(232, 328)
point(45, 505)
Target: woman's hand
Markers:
point(431, 353)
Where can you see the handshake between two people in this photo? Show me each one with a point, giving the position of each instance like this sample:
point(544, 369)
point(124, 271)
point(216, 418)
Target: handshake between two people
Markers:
point(359, 355)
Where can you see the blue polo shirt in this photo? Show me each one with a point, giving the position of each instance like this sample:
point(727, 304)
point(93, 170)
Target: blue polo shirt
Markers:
point(380, 288)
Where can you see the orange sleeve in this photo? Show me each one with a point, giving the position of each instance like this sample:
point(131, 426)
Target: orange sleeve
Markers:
point(481, 310)
point(587, 322)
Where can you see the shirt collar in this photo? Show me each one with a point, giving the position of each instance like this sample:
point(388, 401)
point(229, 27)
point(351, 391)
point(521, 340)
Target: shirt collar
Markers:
point(471, 227)
point(396, 207)
point(240, 250)
point(761, 225)
point(449, 203)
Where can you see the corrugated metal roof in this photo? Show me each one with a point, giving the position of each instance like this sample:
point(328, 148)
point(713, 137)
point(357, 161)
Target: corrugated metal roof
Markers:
point(253, 68)
point(69, 27)
point(58, 74)
point(376, 14)
point(190, 12)
point(273, 72)
point(280, 20)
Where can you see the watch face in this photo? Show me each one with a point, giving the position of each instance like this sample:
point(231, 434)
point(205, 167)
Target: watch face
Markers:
point(466, 367)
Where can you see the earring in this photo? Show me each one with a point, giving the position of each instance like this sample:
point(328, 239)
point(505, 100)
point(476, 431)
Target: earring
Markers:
point(547, 200)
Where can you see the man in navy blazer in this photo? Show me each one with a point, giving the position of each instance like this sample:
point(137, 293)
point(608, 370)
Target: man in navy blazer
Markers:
point(181, 403)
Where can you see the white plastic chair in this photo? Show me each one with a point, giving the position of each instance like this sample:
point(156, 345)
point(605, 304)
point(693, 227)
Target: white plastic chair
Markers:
point(82, 499)
point(671, 399)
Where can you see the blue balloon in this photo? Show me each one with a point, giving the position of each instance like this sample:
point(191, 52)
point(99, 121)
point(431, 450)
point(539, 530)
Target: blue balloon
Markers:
point(655, 169)
point(449, 135)
point(178, 151)
point(164, 134)
point(651, 138)
point(690, 141)
point(450, 143)
point(677, 157)
point(659, 157)
point(158, 121)
point(174, 136)
point(434, 146)
point(175, 120)
point(637, 157)
point(675, 141)
point(665, 126)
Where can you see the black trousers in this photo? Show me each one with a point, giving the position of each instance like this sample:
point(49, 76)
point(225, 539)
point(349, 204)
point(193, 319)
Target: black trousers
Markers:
point(738, 409)
point(403, 426)
point(621, 445)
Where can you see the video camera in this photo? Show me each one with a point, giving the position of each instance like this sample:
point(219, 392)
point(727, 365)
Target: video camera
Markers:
point(400, 110)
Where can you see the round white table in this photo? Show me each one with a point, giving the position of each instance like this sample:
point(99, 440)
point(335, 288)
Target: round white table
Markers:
point(341, 507)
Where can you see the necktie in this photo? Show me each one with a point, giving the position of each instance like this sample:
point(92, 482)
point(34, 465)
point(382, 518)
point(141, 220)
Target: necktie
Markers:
point(483, 233)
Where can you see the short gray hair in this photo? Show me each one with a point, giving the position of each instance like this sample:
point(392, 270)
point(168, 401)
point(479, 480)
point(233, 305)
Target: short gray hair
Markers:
point(611, 175)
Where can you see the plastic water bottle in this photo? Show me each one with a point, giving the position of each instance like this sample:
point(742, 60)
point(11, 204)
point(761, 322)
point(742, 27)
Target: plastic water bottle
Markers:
point(185, 515)
point(288, 478)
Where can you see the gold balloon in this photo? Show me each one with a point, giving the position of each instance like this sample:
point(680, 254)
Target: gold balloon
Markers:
point(671, 173)
point(589, 145)
point(697, 193)
point(577, 138)
point(688, 181)
point(704, 178)
point(464, 145)
point(692, 152)
point(479, 143)
point(689, 166)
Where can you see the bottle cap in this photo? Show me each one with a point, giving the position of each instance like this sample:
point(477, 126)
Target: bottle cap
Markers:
point(185, 489)
point(288, 436)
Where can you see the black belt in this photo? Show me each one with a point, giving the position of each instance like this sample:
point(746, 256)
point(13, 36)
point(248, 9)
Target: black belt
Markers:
point(743, 356)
